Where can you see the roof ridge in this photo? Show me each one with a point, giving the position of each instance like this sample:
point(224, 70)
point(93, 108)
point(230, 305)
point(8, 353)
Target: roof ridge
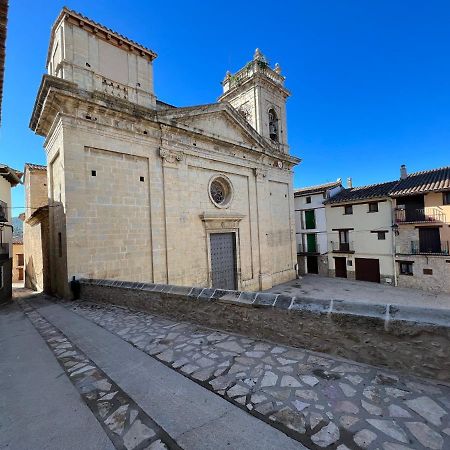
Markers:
point(371, 185)
point(422, 172)
point(318, 186)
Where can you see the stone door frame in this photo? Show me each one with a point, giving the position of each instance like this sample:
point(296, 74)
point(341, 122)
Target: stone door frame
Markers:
point(222, 223)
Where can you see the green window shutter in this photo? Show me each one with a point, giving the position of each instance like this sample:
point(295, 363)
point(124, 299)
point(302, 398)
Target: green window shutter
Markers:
point(310, 219)
point(311, 243)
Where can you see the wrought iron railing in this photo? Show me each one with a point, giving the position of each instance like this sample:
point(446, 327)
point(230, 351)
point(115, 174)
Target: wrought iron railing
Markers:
point(342, 247)
point(424, 248)
point(420, 215)
point(308, 248)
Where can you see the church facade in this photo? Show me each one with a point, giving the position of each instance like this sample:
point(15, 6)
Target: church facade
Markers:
point(143, 191)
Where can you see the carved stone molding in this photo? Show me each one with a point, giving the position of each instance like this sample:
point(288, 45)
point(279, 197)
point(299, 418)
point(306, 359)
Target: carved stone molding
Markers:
point(220, 221)
point(261, 174)
point(171, 157)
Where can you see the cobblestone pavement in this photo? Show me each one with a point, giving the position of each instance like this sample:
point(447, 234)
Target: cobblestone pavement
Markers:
point(322, 401)
point(123, 420)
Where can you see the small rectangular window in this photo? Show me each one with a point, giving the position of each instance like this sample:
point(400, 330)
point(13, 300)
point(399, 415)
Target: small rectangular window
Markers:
point(348, 209)
point(381, 235)
point(308, 199)
point(446, 198)
point(141, 178)
point(406, 268)
point(428, 271)
point(60, 253)
point(94, 173)
point(373, 207)
point(20, 259)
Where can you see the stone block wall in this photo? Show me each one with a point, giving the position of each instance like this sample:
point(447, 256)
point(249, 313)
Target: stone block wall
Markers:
point(409, 339)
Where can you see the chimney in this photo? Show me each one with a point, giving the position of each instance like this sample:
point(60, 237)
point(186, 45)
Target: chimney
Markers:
point(403, 172)
point(349, 183)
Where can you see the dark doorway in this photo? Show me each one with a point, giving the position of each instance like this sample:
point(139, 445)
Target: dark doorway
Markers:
point(414, 207)
point(223, 260)
point(429, 240)
point(367, 269)
point(340, 266)
point(312, 264)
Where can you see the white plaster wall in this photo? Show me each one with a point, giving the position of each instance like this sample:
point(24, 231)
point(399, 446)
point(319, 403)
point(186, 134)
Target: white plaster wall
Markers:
point(365, 243)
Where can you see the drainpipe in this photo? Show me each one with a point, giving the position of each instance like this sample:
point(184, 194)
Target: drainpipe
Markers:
point(394, 228)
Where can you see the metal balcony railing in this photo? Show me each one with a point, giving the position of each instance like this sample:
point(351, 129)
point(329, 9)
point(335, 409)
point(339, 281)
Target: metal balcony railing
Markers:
point(342, 247)
point(308, 249)
point(420, 215)
point(424, 248)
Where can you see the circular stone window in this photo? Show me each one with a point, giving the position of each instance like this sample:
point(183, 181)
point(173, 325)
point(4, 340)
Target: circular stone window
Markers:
point(220, 191)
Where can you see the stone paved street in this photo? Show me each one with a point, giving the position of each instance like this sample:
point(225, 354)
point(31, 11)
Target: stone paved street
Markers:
point(143, 377)
point(322, 401)
point(327, 288)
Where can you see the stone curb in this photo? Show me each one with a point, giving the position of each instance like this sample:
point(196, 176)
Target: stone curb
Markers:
point(386, 313)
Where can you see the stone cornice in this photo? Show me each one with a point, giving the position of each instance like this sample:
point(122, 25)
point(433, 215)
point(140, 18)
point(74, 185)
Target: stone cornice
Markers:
point(57, 96)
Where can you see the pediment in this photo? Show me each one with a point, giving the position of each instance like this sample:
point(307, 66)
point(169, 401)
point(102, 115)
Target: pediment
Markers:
point(220, 121)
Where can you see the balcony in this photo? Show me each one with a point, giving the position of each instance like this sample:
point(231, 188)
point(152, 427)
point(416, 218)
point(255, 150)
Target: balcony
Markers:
point(342, 247)
point(440, 248)
point(421, 215)
point(308, 249)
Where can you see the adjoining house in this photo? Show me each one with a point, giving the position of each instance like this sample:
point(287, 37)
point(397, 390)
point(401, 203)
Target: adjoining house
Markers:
point(396, 232)
point(8, 178)
point(140, 190)
point(36, 229)
point(311, 226)
point(422, 218)
point(359, 227)
point(17, 260)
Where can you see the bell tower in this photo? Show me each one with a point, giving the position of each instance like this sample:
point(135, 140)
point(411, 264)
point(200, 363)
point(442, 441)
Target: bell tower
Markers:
point(257, 92)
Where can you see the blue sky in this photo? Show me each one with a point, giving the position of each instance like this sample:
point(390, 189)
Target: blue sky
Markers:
point(370, 80)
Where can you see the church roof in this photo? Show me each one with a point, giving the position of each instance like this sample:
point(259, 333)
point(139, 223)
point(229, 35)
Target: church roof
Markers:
point(100, 31)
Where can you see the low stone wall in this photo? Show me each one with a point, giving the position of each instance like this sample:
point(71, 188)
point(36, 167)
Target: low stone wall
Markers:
point(409, 339)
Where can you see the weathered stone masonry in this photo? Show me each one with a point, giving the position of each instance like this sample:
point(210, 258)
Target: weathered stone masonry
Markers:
point(404, 338)
point(129, 177)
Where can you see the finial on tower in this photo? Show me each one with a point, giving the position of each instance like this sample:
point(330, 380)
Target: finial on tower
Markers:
point(277, 68)
point(227, 76)
point(258, 56)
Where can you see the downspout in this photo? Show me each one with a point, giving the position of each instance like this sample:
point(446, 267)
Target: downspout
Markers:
point(394, 228)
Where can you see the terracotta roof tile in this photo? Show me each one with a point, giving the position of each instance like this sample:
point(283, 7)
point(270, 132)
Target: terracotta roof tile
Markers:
point(317, 188)
point(425, 181)
point(32, 166)
point(363, 192)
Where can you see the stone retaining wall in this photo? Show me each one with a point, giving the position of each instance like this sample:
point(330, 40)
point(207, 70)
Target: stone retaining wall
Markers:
point(405, 338)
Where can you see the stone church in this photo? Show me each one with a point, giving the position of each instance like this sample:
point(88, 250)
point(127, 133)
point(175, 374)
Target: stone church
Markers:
point(140, 190)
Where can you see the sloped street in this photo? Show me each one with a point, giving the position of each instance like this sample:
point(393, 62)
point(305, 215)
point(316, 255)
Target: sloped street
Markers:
point(155, 383)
